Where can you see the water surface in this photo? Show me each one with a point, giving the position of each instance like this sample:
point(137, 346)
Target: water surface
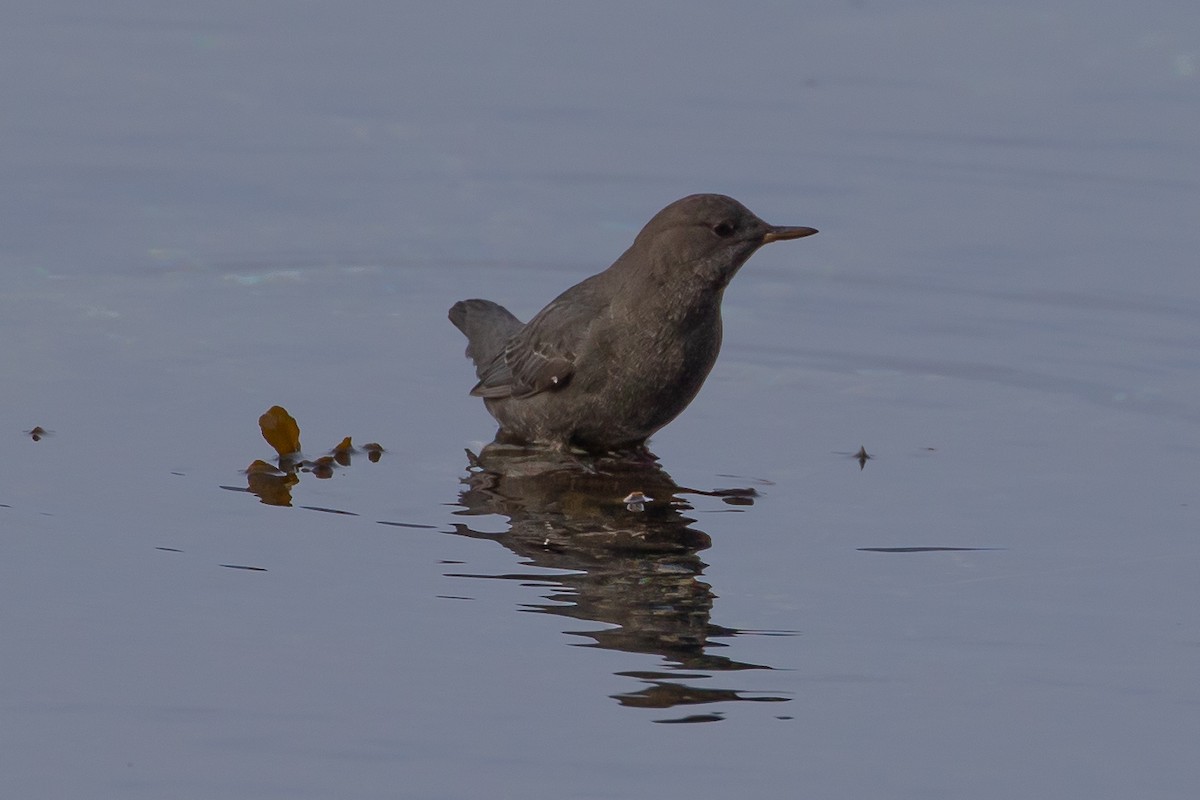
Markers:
point(213, 210)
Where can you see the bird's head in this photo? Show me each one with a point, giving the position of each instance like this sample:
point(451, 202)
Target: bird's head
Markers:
point(704, 238)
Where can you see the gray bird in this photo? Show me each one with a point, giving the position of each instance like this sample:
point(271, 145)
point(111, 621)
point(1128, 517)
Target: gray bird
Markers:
point(616, 357)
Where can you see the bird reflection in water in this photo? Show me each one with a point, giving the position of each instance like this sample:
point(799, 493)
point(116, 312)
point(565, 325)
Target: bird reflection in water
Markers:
point(617, 526)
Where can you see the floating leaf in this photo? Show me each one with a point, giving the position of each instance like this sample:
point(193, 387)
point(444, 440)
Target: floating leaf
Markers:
point(273, 487)
point(280, 430)
point(341, 454)
point(322, 467)
point(260, 467)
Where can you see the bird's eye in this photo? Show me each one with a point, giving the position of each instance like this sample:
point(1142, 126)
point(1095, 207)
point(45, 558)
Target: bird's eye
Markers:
point(723, 229)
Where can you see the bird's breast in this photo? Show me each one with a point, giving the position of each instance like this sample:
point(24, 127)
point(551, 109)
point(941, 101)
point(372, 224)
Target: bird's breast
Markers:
point(654, 366)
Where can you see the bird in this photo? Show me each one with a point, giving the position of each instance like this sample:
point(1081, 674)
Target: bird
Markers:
point(616, 357)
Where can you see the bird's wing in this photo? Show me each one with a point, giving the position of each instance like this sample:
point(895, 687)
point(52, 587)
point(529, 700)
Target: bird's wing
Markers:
point(541, 356)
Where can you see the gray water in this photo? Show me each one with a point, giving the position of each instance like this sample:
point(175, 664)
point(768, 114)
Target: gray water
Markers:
point(216, 208)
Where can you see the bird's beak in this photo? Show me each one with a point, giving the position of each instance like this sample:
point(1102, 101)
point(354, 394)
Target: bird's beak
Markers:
point(777, 233)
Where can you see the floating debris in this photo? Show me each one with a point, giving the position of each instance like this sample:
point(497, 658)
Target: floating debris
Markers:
point(272, 483)
point(374, 451)
point(260, 467)
point(280, 430)
point(322, 467)
point(863, 457)
point(341, 454)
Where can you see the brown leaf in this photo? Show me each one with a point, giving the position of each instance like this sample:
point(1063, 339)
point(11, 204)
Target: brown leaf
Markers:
point(341, 454)
point(272, 488)
point(260, 467)
point(280, 430)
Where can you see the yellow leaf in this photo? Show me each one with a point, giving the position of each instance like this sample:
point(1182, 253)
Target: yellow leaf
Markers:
point(280, 430)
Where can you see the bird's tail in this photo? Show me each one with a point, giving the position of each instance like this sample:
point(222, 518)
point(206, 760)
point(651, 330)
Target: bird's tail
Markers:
point(488, 326)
